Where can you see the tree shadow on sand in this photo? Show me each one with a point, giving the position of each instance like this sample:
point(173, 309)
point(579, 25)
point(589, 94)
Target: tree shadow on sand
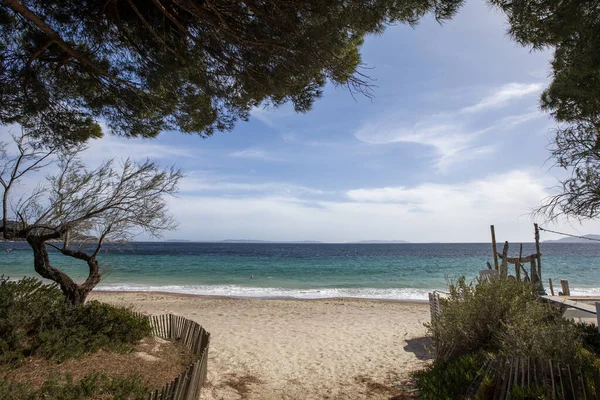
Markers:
point(422, 347)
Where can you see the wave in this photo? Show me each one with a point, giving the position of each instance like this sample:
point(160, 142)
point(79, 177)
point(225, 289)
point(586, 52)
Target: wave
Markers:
point(275, 293)
point(591, 291)
point(289, 293)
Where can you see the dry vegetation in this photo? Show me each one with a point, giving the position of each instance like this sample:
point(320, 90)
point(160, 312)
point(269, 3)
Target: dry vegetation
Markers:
point(155, 360)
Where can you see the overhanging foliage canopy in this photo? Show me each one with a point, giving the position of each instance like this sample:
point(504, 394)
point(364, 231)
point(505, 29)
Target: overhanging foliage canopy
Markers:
point(197, 66)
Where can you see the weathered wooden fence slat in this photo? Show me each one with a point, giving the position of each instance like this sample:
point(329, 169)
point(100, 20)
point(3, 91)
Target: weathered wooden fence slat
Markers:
point(188, 384)
point(555, 380)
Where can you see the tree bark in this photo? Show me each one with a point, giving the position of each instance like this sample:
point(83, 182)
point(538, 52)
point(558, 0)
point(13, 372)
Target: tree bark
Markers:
point(5, 233)
point(74, 293)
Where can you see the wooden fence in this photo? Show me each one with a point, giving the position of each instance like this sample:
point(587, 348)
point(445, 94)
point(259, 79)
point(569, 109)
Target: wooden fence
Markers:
point(188, 384)
point(522, 377)
point(435, 306)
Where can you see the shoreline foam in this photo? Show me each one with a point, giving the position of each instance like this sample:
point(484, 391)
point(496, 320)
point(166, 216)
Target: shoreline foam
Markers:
point(235, 291)
point(223, 297)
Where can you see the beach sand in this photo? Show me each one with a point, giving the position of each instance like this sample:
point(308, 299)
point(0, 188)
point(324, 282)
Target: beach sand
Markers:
point(299, 349)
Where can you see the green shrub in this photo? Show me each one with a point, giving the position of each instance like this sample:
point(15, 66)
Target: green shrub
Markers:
point(27, 307)
point(448, 380)
point(95, 385)
point(89, 328)
point(493, 322)
point(118, 324)
point(538, 331)
point(590, 337)
point(36, 320)
point(497, 315)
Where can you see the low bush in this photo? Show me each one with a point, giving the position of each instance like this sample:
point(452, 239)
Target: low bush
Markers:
point(36, 320)
point(27, 307)
point(538, 331)
point(491, 322)
point(95, 385)
point(448, 380)
point(499, 316)
point(590, 337)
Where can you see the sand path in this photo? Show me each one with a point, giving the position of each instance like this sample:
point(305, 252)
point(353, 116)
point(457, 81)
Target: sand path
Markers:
point(299, 349)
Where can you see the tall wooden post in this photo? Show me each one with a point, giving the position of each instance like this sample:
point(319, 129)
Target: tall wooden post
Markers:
point(504, 265)
point(494, 247)
point(598, 315)
point(537, 249)
point(533, 271)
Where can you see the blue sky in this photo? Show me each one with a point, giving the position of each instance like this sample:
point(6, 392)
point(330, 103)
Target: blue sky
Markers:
point(451, 142)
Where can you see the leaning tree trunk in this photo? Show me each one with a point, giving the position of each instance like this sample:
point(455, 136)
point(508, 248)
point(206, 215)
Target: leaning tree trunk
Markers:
point(74, 293)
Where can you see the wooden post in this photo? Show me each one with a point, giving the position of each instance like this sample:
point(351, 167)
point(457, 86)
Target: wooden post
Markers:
point(537, 249)
point(598, 315)
point(526, 278)
point(551, 288)
point(533, 271)
point(504, 265)
point(565, 287)
point(494, 247)
point(518, 265)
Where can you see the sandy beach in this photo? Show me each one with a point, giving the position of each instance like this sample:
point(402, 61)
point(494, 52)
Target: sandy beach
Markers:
point(299, 349)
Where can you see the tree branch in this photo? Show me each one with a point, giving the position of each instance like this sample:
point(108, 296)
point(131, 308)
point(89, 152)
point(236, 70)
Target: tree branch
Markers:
point(75, 254)
point(26, 13)
point(149, 27)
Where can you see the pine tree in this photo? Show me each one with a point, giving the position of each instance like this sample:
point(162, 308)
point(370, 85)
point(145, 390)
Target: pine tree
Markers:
point(189, 65)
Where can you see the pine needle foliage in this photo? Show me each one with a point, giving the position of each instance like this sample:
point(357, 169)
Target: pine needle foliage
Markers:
point(195, 66)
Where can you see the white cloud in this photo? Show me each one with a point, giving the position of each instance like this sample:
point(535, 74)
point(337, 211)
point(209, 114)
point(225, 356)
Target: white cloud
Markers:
point(253, 153)
point(289, 137)
point(460, 212)
point(111, 146)
point(138, 149)
point(518, 119)
point(503, 95)
point(451, 143)
point(263, 115)
point(515, 187)
point(269, 115)
point(451, 134)
point(195, 183)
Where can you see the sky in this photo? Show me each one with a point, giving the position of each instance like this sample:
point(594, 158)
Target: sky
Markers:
point(451, 142)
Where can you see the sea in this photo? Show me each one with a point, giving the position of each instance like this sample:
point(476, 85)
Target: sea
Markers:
point(307, 270)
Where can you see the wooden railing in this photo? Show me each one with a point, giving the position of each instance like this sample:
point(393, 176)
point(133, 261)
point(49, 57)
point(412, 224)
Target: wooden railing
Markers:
point(188, 384)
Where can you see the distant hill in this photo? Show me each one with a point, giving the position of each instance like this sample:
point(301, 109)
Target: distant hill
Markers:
point(177, 240)
point(382, 241)
point(263, 241)
point(576, 240)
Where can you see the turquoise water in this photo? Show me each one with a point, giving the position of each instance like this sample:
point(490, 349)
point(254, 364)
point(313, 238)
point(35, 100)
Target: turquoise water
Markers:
point(393, 271)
